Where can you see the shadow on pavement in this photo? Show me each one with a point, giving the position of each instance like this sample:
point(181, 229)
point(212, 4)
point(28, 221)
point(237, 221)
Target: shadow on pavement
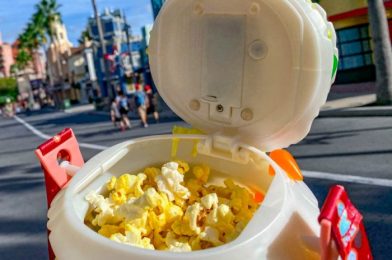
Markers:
point(24, 251)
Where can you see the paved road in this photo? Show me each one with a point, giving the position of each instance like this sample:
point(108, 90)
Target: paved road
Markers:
point(347, 146)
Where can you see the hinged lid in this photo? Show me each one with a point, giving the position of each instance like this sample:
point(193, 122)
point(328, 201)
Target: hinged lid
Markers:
point(258, 70)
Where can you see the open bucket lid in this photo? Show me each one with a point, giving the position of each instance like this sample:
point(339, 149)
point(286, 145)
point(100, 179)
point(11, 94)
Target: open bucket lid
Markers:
point(257, 70)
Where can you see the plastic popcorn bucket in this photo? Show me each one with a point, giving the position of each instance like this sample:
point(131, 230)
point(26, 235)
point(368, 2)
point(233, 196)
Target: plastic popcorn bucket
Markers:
point(251, 76)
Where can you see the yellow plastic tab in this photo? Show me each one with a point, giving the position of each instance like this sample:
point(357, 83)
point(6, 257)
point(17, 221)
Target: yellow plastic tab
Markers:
point(178, 130)
point(287, 162)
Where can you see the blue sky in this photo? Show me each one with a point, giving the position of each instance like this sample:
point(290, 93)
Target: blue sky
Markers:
point(14, 15)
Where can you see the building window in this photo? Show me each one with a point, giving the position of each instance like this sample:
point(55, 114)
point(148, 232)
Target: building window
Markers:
point(109, 27)
point(354, 47)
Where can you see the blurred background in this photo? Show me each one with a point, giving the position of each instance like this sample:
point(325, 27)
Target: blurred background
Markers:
point(84, 64)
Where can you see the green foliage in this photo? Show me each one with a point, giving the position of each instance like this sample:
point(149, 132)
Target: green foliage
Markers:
point(83, 36)
point(23, 58)
point(39, 27)
point(8, 87)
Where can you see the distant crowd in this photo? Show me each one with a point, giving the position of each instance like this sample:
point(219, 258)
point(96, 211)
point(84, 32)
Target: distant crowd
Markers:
point(143, 101)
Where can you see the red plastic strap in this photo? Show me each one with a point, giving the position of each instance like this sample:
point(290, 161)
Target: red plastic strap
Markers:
point(347, 226)
point(62, 146)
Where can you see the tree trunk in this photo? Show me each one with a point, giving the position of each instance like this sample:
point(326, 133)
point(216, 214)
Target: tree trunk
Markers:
point(382, 51)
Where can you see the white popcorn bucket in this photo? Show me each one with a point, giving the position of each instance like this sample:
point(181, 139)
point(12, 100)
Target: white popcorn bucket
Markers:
point(250, 74)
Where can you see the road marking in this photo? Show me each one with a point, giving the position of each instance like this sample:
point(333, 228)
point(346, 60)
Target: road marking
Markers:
point(46, 137)
point(32, 129)
point(348, 178)
point(308, 174)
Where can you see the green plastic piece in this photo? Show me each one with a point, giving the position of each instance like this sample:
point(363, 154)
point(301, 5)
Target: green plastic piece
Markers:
point(335, 65)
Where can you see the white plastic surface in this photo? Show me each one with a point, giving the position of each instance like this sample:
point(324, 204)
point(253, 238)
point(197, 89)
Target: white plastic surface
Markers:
point(288, 213)
point(257, 70)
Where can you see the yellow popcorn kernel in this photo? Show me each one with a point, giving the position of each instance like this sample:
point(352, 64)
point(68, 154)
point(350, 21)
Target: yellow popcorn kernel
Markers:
point(131, 184)
point(151, 173)
point(194, 242)
point(177, 245)
point(111, 184)
point(222, 192)
point(224, 214)
point(133, 237)
point(211, 235)
point(183, 167)
point(181, 227)
point(109, 230)
point(243, 215)
point(158, 240)
point(139, 223)
point(209, 201)
point(157, 222)
point(118, 196)
point(172, 213)
point(202, 173)
point(191, 217)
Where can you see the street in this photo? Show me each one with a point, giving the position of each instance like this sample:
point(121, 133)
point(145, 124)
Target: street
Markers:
point(360, 146)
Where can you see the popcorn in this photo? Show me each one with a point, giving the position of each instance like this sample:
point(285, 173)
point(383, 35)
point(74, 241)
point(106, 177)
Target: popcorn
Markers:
point(211, 235)
point(135, 208)
point(133, 237)
point(176, 246)
point(183, 167)
point(131, 184)
point(210, 200)
point(102, 206)
point(202, 173)
point(169, 182)
point(157, 210)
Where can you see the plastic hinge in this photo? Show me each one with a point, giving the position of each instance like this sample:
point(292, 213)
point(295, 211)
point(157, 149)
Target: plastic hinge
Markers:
point(224, 147)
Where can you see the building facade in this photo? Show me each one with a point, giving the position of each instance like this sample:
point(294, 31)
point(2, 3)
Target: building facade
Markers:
point(116, 43)
point(6, 59)
point(350, 18)
point(156, 6)
point(82, 73)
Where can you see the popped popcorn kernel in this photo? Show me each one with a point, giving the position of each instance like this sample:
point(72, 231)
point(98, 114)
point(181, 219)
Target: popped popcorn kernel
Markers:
point(118, 197)
point(111, 184)
point(183, 167)
point(109, 230)
point(158, 210)
point(202, 173)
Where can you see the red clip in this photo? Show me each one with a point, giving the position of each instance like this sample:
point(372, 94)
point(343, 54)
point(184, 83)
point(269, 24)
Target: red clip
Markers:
point(344, 222)
point(63, 146)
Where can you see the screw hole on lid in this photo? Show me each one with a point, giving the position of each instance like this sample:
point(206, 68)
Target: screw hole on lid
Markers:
point(220, 108)
point(258, 50)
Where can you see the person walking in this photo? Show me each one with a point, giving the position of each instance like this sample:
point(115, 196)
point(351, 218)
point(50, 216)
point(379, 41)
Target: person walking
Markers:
point(141, 104)
point(115, 113)
point(152, 103)
point(122, 102)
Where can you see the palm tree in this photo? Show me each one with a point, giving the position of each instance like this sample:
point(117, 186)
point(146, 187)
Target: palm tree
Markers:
point(382, 51)
point(22, 59)
point(51, 14)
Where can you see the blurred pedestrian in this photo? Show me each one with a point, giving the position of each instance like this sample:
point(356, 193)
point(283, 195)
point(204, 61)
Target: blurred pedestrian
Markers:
point(8, 108)
point(140, 102)
point(152, 107)
point(122, 102)
point(115, 113)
